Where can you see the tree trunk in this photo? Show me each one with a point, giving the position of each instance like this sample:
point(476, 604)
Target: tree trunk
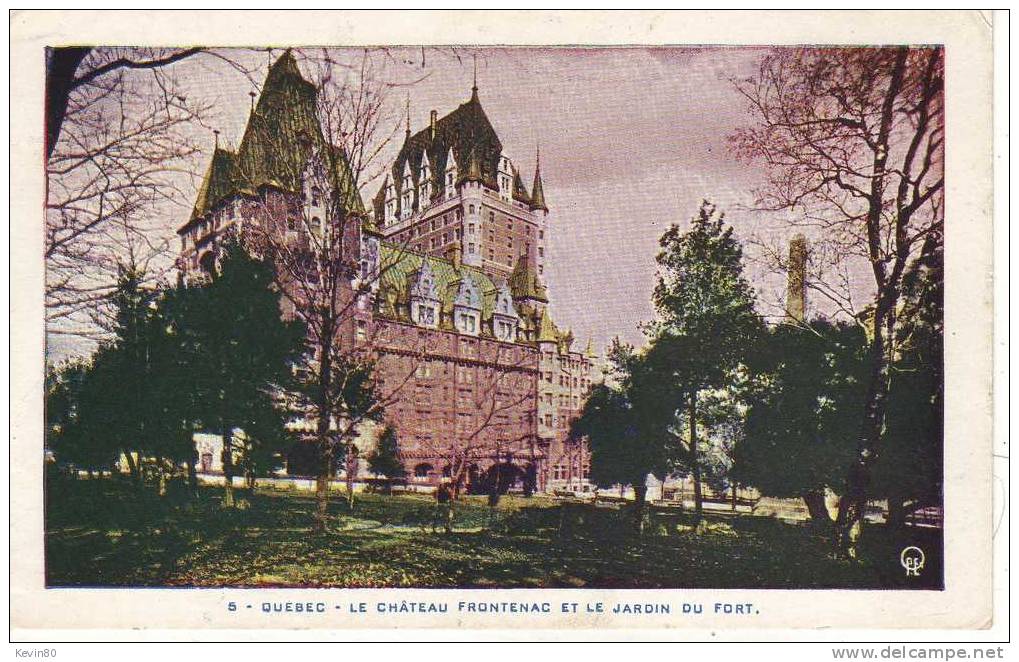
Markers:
point(896, 512)
point(639, 504)
point(228, 467)
point(735, 497)
point(325, 448)
point(351, 472)
point(193, 472)
point(852, 506)
point(814, 499)
point(695, 464)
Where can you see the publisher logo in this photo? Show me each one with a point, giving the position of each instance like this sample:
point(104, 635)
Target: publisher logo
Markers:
point(912, 559)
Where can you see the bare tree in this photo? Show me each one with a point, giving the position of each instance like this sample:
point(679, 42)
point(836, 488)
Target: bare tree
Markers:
point(312, 213)
point(853, 139)
point(120, 137)
point(493, 401)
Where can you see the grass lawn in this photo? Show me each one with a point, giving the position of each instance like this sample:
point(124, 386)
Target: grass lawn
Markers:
point(104, 533)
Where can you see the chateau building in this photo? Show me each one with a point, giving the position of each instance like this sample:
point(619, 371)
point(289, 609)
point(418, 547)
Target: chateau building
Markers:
point(482, 383)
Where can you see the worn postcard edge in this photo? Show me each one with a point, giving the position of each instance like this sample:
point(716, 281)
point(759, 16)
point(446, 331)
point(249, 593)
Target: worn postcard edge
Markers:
point(966, 600)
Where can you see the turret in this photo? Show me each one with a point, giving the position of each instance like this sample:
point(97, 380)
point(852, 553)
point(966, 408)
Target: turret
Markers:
point(537, 192)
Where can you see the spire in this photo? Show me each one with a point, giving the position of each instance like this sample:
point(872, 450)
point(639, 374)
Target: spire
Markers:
point(474, 89)
point(589, 352)
point(215, 133)
point(537, 192)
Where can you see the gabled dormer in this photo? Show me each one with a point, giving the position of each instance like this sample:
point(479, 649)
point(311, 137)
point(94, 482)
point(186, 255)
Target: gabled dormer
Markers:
point(505, 319)
point(406, 192)
point(424, 182)
point(505, 177)
point(389, 201)
point(467, 307)
point(449, 183)
point(424, 297)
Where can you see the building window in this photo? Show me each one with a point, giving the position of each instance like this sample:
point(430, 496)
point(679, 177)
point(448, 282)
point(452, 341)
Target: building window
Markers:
point(362, 331)
point(470, 248)
point(423, 370)
point(426, 315)
point(316, 226)
point(316, 196)
point(422, 470)
point(291, 224)
point(472, 209)
point(468, 323)
point(491, 217)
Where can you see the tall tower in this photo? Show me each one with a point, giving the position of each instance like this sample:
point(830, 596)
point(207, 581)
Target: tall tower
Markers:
point(796, 292)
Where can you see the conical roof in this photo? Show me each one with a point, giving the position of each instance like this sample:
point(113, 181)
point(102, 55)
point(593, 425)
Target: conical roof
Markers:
point(525, 283)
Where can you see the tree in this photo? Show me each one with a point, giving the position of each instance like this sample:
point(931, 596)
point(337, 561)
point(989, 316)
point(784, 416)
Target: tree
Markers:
point(626, 426)
point(245, 354)
point(119, 136)
point(385, 459)
point(706, 321)
point(853, 142)
point(909, 472)
point(324, 137)
point(799, 435)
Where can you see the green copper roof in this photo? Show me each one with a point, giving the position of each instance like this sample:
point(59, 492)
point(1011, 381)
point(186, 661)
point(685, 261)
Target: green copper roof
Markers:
point(218, 182)
point(537, 192)
point(476, 149)
point(548, 332)
point(282, 133)
point(524, 282)
point(398, 266)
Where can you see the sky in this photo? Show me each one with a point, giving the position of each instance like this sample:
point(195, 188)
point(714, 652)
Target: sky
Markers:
point(632, 140)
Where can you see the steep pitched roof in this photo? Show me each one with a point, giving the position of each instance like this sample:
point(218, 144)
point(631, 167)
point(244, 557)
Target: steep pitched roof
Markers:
point(282, 133)
point(399, 266)
point(525, 283)
point(537, 191)
point(218, 183)
point(465, 130)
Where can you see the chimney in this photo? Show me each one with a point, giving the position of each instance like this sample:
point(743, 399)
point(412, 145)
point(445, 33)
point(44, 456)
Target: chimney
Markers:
point(453, 254)
point(435, 117)
point(796, 294)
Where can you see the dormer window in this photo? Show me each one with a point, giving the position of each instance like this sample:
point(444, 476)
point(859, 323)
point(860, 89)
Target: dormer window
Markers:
point(505, 330)
point(426, 314)
point(467, 323)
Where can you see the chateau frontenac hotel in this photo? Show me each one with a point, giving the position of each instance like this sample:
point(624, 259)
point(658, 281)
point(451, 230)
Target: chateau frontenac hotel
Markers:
point(458, 316)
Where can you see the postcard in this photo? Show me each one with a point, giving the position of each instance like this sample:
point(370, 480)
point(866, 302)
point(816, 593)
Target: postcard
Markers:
point(523, 321)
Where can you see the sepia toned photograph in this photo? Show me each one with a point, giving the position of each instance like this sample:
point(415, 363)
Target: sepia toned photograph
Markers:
point(495, 317)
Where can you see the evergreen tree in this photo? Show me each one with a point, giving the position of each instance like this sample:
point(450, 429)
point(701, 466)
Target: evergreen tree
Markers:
point(244, 353)
point(706, 324)
point(800, 430)
point(626, 426)
point(385, 459)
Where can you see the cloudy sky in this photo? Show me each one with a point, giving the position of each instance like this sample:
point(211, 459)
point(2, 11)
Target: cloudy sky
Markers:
point(632, 139)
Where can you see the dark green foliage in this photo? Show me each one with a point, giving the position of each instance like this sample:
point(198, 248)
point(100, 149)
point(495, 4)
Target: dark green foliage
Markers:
point(802, 425)
point(213, 356)
point(705, 330)
point(243, 352)
point(705, 305)
point(385, 459)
